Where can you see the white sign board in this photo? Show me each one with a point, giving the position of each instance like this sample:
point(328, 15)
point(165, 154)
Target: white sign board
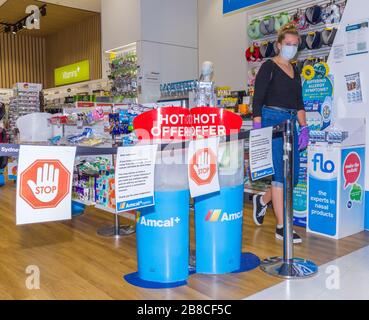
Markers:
point(354, 88)
point(357, 37)
point(261, 160)
point(203, 167)
point(44, 186)
point(134, 177)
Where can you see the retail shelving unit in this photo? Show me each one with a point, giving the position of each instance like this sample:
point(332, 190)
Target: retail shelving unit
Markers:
point(26, 100)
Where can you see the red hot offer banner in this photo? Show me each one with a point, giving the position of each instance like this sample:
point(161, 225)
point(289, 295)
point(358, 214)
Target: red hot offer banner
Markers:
point(176, 123)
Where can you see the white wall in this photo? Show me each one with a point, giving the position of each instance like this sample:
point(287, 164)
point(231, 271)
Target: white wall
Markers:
point(120, 23)
point(166, 33)
point(223, 40)
point(170, 21)
point(359, 63)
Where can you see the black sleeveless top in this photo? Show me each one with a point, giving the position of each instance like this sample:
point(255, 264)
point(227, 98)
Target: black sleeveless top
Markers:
point(274, 87)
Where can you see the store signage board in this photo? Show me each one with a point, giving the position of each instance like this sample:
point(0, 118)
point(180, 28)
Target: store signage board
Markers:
point(44, 187)
point(235, 5)
point(261, 161)
point(357, 38)
point(318, 99)
point(73, 73)
point(177, 123)
point(134, 177)
point(203, 167)
point(28, 87)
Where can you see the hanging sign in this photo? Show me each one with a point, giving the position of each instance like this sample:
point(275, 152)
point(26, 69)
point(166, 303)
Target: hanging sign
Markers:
point(234, 5)
point(73, 73)
point(134, 177)
point(177, 123)
point(45, 183)
point(203, 167)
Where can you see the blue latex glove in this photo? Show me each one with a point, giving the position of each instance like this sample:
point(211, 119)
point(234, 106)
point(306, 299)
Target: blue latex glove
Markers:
point(256, 125)
point(303, 138)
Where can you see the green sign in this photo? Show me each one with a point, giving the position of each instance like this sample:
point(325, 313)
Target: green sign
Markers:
point(73, 73)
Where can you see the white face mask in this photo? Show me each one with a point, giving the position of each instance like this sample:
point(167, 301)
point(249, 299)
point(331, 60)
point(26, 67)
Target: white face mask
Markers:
point(288, 52)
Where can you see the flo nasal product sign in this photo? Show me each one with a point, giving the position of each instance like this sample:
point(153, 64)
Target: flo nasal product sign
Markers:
point(203, 167)
point(73, 73)
point(45, 183)
point(336, 198)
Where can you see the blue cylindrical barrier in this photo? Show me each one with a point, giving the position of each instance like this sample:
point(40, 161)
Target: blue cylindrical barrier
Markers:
point(219, 216)
point(163, 238)
point(2, 180)
point(163, 230)
point(218, 221)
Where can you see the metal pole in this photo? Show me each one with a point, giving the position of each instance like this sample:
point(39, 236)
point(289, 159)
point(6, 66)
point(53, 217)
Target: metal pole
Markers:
point(288, 267)
point(287, 192)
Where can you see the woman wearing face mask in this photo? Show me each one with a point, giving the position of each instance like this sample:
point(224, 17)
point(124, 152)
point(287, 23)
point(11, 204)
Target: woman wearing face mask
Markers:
point(278, 97)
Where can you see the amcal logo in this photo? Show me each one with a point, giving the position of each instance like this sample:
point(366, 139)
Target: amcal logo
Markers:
point(320, 164)
point(122, 206)
point(216, 215)
point(155, 223)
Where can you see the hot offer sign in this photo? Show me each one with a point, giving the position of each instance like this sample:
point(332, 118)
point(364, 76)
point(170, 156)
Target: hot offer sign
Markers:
point(176, 123)
point(44, 185)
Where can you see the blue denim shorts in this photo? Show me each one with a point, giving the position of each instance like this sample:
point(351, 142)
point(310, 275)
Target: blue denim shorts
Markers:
point(272, 117)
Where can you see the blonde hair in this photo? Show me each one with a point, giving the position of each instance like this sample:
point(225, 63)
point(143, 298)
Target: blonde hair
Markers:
point(289, 28)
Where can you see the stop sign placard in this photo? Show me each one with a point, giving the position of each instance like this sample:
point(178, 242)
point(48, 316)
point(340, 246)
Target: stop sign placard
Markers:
point(203, 166)
point(44, 184)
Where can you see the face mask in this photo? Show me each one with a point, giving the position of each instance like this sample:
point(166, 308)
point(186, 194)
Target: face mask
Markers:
point(288, 52)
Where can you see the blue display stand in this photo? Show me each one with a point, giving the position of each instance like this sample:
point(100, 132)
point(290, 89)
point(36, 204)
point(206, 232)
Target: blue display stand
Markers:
point(163, 239)
point(218, 222)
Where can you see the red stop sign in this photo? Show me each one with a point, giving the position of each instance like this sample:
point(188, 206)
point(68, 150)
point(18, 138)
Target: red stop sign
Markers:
point(203, 166)
point(44, 184)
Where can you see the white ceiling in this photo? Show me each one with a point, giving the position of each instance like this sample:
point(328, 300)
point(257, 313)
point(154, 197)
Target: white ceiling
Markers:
point(90, 5)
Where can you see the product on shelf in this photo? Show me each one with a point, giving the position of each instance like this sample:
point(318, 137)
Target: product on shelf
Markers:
point(314, 14)
point(26, 100)
point(123, 74)
point(93, 182)
point(281, 19)
point(253, 30)
point(177, 89)
point(314, 40)
point(121, 122)
point(267, 25)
